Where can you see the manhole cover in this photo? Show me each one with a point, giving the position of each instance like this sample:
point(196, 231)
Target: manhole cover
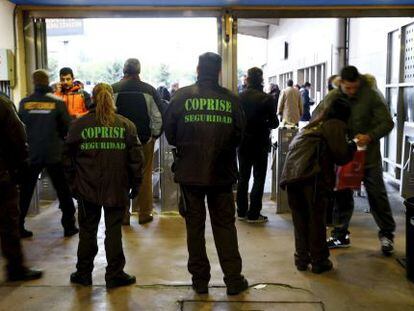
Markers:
point(251, 306)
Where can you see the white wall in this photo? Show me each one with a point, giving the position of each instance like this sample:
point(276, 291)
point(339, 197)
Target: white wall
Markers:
point(6, 25)
point(368, 44)
point(310, 43)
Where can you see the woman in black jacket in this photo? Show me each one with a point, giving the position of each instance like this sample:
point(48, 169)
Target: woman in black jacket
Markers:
point(104, 161)
point(309, 177)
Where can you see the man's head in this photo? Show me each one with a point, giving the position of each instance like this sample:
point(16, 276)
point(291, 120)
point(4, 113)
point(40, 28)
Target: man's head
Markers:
point(66, 78)
point(132, 67)
point(290, 82)
point(350, 80)
point(307, 85)
point(209, 64)
point(255, 76)
point(40, 78)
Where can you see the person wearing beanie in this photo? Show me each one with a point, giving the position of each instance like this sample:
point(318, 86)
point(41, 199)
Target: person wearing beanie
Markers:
point(47, 122)
point(255, 147)
point(140, 103)
point(205, 122)
point(71, 91)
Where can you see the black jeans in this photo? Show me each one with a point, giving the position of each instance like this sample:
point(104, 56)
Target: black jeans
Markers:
point(89, 215)
point(308, 207)
point(57, 176)
point(378, 202)
point(221, 207)
point(258, 161)
point(9, 227)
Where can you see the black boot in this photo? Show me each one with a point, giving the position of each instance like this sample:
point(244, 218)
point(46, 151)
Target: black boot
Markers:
point(78, 278)
point(122, 280)
point(71, 231)
point(322, 266)
point(237, 288)
point(24, 274)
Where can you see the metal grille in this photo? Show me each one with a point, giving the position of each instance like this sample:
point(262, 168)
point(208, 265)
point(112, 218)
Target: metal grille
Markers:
point(409, 54)
point(5, 87)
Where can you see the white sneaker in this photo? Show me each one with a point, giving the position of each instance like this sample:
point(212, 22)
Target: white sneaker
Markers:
point(387, 245)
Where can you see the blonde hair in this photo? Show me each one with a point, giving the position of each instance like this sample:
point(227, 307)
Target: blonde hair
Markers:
point(103, 97)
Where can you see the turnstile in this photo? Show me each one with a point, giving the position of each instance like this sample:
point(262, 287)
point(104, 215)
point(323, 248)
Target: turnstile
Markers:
point(285, 136)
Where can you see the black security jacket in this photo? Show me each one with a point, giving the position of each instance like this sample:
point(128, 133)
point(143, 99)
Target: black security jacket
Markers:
point(261, 117)
point(205, 122)
point(103, 163)
point(13, 142)
point(47, 122)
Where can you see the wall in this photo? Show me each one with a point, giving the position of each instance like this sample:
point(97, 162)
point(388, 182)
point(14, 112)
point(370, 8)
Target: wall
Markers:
point(368, 44)
point(310, 42)
point(6, 25)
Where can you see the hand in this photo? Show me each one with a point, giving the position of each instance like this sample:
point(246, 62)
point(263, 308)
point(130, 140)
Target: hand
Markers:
point(363, 140)
point(133, 193)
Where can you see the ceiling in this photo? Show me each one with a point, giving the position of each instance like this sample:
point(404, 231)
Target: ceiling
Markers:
point(212, 3)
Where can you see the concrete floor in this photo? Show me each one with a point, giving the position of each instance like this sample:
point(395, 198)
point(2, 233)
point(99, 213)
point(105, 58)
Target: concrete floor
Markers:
point(156, 253)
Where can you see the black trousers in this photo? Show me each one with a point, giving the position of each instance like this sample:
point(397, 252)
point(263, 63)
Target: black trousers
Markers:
point(9, 227)
point(378, 202)
point(258, 161)
point(89, 215)
point(222, 214)
point(57, 176)
point(309, 219)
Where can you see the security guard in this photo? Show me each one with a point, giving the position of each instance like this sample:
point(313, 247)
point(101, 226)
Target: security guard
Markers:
point(13, 158)
point(47, 121)
point(205, 122)
point(104, 160)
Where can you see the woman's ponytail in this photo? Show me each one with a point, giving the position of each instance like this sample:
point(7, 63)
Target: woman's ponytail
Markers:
point(103, 98)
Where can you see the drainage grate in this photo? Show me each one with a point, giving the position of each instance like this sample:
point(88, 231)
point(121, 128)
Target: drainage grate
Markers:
point(191, 305)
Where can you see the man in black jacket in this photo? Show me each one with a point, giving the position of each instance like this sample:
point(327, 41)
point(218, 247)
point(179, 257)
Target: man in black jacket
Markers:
point(13, 158)
point(140, 103)
point(47, 121)
point(205, 122)
point(254, 149)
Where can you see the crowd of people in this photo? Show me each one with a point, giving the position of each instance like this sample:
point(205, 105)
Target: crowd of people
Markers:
point(99, 151)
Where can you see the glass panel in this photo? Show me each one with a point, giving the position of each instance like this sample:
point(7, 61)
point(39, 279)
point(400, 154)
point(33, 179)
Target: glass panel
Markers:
point(392, 137)
point(409, 103)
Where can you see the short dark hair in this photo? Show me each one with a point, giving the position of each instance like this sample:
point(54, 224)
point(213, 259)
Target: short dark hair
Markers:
point(349, 73)
point(255, 76)
point(66, 71)
point(338, 109)
point(209, 64)
point(290, 82)
point(307, 84)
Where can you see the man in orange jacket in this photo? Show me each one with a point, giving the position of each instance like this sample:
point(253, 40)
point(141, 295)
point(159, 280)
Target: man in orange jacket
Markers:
point(76, 99)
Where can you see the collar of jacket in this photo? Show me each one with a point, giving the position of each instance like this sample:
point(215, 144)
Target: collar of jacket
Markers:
point(131, 77)
point(256, 87)
point(43, 89)
point(206, 79)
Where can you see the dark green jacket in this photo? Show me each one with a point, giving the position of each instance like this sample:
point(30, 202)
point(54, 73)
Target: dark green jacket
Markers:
point(369, 115)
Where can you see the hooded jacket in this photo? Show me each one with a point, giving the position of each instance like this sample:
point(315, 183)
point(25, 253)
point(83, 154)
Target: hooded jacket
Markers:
point(369, 115)
point(314, 152)
point(261, 117)
point(205, 122)
point(103, 163)
point(13, 142)
point(76, 99)
point(47, 122)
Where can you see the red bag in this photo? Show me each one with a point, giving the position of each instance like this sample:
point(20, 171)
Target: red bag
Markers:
point(350, 175)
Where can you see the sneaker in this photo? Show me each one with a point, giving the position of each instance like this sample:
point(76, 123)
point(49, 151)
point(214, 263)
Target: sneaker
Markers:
point(339, 242)
point(123, 280)
point(323, 266)
point(77, 278)
point(258, 220)
point(25, 274)
point(387, 246)
point(145, 220)
point(200, 288)
point(70, 232)
point(237, 289)
point(24, 234)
